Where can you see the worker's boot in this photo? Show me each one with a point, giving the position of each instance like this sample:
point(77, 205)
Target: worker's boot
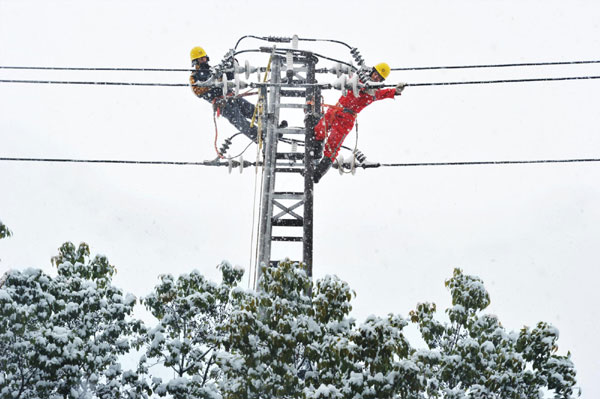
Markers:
point(322, 168)
point(282, 125)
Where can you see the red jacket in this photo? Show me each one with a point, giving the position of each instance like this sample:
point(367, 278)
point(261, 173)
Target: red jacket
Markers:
point(339, 120)
point(356, 104)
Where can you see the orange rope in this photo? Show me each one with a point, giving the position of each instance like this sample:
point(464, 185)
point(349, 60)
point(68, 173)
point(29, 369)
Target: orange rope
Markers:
point(216, 135)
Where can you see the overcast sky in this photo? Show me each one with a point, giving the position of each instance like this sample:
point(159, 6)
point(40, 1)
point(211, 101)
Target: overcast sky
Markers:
point(531, 232)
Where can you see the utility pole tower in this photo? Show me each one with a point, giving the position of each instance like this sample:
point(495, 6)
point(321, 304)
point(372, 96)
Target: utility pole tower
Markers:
point(286, 211)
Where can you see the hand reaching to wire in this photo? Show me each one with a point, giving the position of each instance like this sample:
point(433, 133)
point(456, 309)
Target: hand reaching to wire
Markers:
point(399, 88)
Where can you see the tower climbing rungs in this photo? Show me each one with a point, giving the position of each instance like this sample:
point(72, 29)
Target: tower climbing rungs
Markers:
point(292, 105)
point(292, 93)
point(288, 195)
point(290, 155)
point(289, 170)
point(290, 164)
point(292, 131)
point(287, 222)
point(287, 238)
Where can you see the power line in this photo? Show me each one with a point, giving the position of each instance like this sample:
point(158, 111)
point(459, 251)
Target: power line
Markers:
point(246, 163)
point(475, 82)
point(64, 82)
point(480, 82)
point(470, 163)
point(51, 68)
point(496, 65)
point(418, 68)
point(131, 162)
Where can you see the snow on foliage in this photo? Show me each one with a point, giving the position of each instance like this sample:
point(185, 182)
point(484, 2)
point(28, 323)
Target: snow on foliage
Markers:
point(292, 338)
point(479, 359)
point(190, 311)
point(61, 336)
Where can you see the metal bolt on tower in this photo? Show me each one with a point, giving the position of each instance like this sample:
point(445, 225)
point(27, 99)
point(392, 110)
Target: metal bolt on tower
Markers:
point(286, 213)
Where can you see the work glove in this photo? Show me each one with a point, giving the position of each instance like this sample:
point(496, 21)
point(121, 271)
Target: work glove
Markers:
point(399, 88)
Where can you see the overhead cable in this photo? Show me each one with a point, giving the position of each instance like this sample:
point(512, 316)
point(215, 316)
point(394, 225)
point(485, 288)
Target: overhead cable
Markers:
point(115, 161)
point(418, 68)
point(481, 82)
point(64, 82)
point(246, 163)
point(474, 82)
point(50, 68)
point(524, 64)
point(471, 163)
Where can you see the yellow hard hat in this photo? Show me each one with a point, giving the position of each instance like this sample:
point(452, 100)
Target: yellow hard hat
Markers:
point(197, 52)
point(383, 69)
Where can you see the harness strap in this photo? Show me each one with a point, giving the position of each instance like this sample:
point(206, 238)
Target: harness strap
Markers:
point(340, 108)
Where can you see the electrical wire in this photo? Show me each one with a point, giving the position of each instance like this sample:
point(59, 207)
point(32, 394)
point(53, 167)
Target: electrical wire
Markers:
point(247, 163)
point(418, 68)
point(471, 163)
point(36, 68)
point(284, 50)
point(241, 153)
point(63, 82)
point(288, 40)
point(524, 64)
point(481, 82)
point(420, 84)
point(115, 161)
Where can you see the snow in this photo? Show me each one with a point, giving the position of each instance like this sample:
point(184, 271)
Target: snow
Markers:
point(488, 346)
point(326, 391)
point(4, 296)
point(356, 379)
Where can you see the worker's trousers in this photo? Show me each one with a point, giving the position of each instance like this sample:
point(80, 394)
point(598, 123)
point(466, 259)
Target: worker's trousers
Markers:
point(335, 126)
point(239, 112)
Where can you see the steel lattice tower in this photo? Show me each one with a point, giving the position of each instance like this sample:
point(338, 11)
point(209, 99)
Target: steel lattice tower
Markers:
point(284, 213)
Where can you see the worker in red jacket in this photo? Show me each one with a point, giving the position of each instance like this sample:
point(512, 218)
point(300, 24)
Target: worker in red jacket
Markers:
point(339, 119)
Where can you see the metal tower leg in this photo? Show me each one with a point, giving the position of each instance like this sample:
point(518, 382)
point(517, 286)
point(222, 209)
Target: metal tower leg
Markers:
point(270, 159)
point(313, 114)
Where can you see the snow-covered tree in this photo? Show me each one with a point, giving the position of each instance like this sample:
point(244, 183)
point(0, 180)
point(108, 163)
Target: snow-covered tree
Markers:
point(473, 356)
point(191, 311)
point(61, 337)
point(289, 341)
point(367, 360)
point(4, 231)
point(265, 336)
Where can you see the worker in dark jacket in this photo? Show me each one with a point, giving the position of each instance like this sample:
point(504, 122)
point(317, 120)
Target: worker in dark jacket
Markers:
point(238, 111)
point(339, 119)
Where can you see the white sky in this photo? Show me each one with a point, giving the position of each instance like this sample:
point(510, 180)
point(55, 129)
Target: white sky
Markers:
point(531, 232)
